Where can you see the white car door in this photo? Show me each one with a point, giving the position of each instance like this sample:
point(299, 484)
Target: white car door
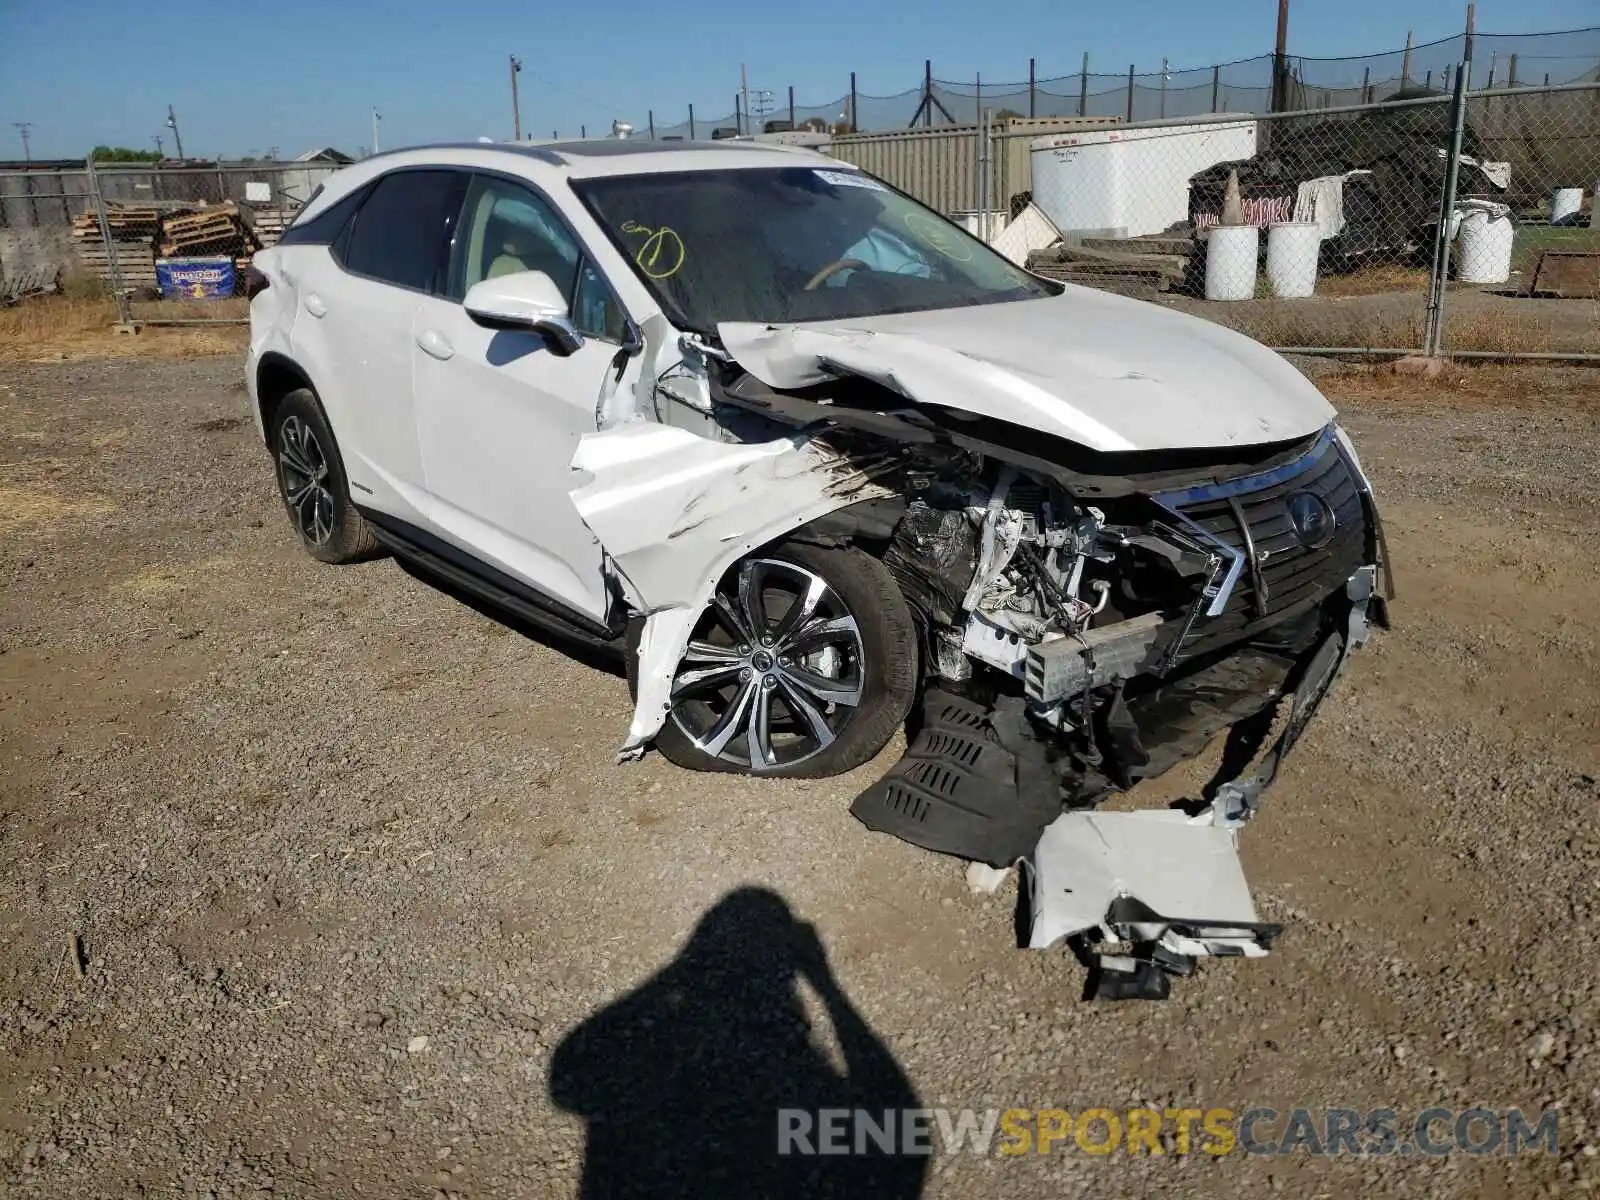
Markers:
point(358, 308)
point(499, 413)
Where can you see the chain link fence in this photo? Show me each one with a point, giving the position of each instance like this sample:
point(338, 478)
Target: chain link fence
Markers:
point(1441, 223)
point(1459, 222)
point(151, 232)
point(1130, 94)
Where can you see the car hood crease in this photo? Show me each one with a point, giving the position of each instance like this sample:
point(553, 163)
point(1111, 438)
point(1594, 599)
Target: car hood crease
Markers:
point(1106, 372)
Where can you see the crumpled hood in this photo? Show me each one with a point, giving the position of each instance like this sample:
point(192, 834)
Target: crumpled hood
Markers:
point(1099, 369)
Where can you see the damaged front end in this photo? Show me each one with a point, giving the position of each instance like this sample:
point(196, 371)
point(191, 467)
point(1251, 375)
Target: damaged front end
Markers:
point(1089, 618)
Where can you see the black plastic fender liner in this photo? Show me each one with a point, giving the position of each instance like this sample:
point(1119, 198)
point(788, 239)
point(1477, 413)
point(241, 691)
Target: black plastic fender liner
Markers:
point(969, 784)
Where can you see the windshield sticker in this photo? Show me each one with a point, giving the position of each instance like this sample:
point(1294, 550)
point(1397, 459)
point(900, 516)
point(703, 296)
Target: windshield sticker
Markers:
point(850, 179)
point(661, 254)
point(934, 233)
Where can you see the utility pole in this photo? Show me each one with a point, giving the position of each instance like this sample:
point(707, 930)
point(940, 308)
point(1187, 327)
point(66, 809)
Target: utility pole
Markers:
point(1280, 59)
point(376, 117)
point(757, 104)
point(161, 150)
point(172, 124)
point(516, 111)
point(744, 92)
point(23, 127)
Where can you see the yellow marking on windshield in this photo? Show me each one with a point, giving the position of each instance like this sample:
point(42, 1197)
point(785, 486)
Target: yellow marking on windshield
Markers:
point(661, 254)
point(936, 234)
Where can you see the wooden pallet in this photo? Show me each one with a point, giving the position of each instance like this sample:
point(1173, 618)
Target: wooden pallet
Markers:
point(87, 229)
point(1164, 269)
point(143, 214)
point(229, 244)
point(137, 267)
point(269, 224)
point(31, 281)
point(226, 213)
point(1139, 285)
point(1154, 243)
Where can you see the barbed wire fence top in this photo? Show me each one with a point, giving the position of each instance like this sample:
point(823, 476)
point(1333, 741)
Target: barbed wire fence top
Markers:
point(1135, 93)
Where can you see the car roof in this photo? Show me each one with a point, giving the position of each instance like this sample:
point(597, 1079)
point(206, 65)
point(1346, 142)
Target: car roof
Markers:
point(545, 162)
point(615, 156)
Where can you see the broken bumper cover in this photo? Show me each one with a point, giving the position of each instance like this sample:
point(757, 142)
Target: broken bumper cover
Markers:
point(1153, 890)
point(1145, 894)
point(675, 511)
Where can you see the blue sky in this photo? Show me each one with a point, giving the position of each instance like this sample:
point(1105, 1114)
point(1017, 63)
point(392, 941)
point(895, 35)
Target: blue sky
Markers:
point(298, 73)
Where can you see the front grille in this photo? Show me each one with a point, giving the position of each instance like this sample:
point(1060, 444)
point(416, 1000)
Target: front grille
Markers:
point(1292, 576)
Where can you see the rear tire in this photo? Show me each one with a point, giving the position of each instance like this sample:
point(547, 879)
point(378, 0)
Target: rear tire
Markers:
point(832, 687)
point(312, 482)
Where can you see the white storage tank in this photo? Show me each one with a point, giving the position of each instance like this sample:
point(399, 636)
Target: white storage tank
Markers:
point(1131, 181)
point(1293, 248)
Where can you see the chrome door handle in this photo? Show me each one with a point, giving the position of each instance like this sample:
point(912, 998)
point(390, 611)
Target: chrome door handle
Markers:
point(435, 344)
point(314, 305)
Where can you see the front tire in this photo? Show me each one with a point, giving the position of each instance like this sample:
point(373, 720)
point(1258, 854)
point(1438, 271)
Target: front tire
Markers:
point(312, 483)
point(803, 666)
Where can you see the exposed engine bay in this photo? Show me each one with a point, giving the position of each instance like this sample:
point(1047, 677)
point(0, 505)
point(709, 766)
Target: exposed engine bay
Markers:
point(1087, 619)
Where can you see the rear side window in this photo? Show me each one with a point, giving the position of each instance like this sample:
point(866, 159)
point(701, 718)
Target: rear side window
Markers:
point(399, 233)
point(325, 227)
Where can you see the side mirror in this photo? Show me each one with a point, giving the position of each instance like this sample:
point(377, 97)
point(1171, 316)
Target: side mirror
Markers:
point(525, 300)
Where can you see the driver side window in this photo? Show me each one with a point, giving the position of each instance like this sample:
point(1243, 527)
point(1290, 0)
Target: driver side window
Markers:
point(505, 228)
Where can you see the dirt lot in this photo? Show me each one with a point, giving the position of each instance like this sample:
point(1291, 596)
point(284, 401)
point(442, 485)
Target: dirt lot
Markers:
point(364, 907)
point(1476, 319)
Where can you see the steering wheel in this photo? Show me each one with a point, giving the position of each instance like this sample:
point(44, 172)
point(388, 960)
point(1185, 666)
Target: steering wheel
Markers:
point(832, 269)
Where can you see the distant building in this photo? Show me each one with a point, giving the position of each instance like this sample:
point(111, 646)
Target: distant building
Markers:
point(325, 154)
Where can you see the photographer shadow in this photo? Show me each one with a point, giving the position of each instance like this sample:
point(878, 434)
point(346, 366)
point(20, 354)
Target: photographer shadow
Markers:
point(682, 1081)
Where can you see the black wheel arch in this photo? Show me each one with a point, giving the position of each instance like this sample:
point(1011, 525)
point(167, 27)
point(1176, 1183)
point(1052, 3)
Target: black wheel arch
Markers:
point(867, 524)
point(276, 376)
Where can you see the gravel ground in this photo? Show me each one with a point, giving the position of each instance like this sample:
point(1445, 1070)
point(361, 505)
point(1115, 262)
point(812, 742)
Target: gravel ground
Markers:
point(318, 883)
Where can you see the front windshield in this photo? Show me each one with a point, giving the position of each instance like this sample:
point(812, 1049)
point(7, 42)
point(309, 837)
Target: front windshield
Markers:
point(786, 244)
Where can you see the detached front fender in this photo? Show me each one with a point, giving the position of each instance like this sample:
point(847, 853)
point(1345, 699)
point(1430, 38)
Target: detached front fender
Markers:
point(674, 511)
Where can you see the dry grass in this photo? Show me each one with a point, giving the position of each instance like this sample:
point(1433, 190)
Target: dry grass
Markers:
point(1372, 281)
point(1287, 324)
point(156, 581)
point(1497, 333)
point(31, 499)
point(1310, 323)
point(79, 325)
point(1494, 385)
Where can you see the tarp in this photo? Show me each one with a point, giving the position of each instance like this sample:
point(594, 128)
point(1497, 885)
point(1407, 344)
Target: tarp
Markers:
point(1389, 210)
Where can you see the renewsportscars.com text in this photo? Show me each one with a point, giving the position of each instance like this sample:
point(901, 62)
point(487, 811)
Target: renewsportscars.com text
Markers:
point(1012, 1132)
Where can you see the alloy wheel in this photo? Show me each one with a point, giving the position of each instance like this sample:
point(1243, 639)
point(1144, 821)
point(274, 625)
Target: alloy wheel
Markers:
point(303, 473)
point(774, 670)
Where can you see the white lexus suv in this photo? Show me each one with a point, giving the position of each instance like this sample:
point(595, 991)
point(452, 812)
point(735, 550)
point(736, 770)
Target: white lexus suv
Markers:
point(821, 466)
